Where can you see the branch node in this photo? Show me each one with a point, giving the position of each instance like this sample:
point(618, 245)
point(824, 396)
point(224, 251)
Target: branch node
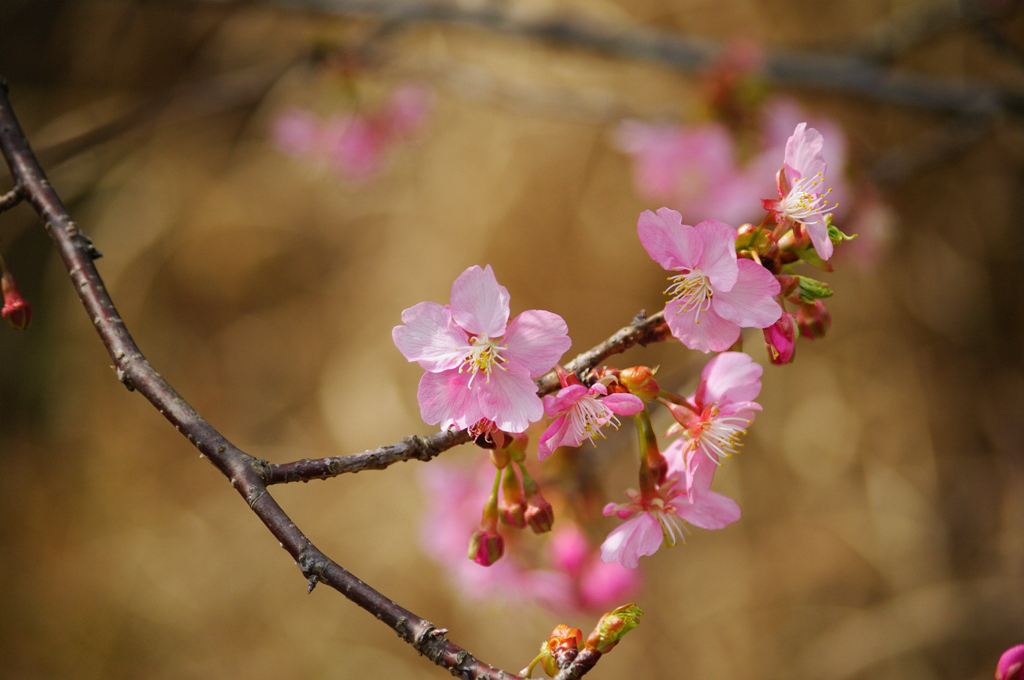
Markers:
point(125, 379)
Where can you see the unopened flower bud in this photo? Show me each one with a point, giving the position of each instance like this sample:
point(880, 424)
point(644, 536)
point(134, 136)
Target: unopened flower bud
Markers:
point(613, 626)
point(780, 339)
point(16, 309)
point(813, 320)
point(539, 514)
point(1011, 664)
point(486, 547)
point(557, 651)
point(640, 381)
point(500, 458)
point(511, 504)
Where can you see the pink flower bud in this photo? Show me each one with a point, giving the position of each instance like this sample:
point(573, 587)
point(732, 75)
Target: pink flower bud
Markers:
point(539, 514)
point(486, 547)
point(639, 380)
point(1011, 664)
point(16, 309)
point(813, 320)
point(780, 338)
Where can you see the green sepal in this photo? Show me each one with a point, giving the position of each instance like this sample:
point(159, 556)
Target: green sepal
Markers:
point(812, 289)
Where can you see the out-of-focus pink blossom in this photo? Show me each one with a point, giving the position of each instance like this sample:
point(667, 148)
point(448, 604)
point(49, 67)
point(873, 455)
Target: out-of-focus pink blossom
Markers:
point(576, 579)
point(356, 144)
point(693, 169)
point(719, 412)
point(580, 412)
point(597, 584)
point(1011, 664)
point(803, 200)
point(714, 294)
point(478, 364)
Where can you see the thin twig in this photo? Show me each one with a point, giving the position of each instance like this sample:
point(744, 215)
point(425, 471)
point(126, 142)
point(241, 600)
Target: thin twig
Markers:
point(642, 331)
point(11, 199)
point(244, 471)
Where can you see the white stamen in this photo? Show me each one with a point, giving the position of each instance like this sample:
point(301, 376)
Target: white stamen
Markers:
point(693, 289)
point(484, 355)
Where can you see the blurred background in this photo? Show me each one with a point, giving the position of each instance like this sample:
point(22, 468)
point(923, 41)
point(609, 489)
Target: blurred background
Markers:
point(883, 527)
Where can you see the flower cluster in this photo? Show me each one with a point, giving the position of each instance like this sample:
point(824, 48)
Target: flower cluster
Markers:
point(481, 371)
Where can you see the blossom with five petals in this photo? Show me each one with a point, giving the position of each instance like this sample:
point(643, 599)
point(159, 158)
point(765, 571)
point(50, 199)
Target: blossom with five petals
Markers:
point(580, 412)
point(478, 363)
point(714, 293)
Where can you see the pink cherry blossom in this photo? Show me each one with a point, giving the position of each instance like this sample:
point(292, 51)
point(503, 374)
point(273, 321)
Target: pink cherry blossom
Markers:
point(714, 294)
point(355, 144)
point(580, 412)
point(598, 585)
point(719, 412)
point(692, 168)
point(802, 199)
point(660, 518)
point(1011, 664)
point(479, 364)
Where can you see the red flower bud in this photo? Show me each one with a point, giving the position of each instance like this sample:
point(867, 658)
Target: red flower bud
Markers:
point(1011, 664)
point(780, 338)
point(486, 547)
point(813, 320)
point(16, 309)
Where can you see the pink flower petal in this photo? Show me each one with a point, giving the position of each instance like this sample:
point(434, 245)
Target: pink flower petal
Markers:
point(718, 258)
point(430, 337)
point(446, 398)
point(710, 510)
point(668, 241)
point(750, 303)
point(563, 400)
point(729, 377)
point(510, 399)
point(712, 334)
point(558, 433)
point(480, 303)
point(803, 151)
point(641, 535)
point(623, 404)
point(536, 339)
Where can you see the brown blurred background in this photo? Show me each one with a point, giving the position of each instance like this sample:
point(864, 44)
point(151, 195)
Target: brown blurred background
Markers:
point(883, 528)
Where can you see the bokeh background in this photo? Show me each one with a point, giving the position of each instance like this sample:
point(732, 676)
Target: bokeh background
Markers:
point(883, 528)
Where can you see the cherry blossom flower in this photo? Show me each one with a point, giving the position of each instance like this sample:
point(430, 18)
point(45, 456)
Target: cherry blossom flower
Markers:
point(580, 412)
point(719, 412)
point(780, 339)
point(479, 364)
point(660, 517)
point(802, 200)
point(714, 294)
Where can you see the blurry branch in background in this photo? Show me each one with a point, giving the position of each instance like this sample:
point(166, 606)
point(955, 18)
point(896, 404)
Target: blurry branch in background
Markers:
point(248, 475)
point(642, 331)
point(238, 89)
point(826, 72)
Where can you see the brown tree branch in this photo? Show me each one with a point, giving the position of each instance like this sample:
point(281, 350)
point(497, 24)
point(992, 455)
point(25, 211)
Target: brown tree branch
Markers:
point(11, 199)
point(244, 471)
point(642, 331)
